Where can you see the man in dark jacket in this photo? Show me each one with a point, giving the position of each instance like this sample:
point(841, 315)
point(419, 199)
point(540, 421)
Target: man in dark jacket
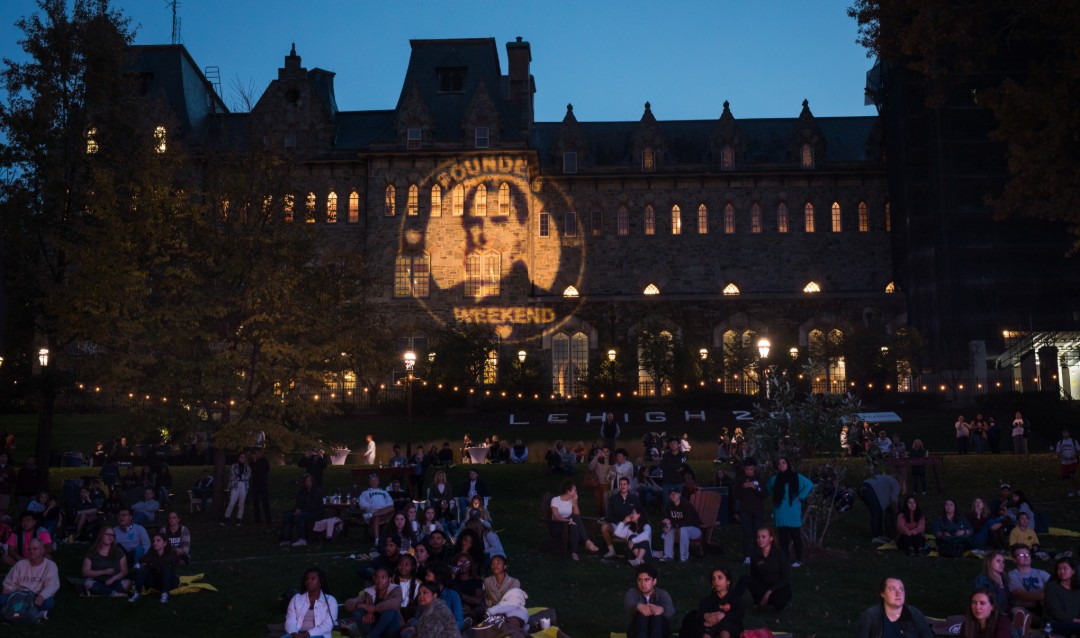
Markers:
point(750, 505)
point(671, 463)
point(892, 617)
point(620, 505)
point(260, 485)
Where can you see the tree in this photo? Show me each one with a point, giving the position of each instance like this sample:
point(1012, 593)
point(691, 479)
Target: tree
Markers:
point(1021, 60)
point(72, 79)
point(461, 352)
point(656, 348)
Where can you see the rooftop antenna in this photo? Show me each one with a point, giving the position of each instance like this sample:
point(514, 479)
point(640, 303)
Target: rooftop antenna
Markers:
point(174, 5)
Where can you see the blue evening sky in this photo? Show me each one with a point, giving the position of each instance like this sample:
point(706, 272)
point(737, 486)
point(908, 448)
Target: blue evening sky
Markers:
point(606, 57)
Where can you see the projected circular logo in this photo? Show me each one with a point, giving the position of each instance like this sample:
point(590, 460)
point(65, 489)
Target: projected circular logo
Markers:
point(497, 255)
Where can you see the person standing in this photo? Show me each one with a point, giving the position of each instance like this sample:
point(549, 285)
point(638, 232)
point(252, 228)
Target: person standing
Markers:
point(314, 463)
point(749, 504)
point(671, 463)
point(1066, 451)
point(880, 493)
point(650, 608)
point(610, 430)
point(993, 435)
point(239, 481)
point(963, 434)
point(7, 483)
point(1019, 433)
point(892, 617)
point(789, 489)
point(260, 485)
point(368, 457)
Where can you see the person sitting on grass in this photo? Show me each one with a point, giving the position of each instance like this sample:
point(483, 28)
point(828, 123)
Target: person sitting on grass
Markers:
point(36, 574)
point(982, 620)
point(105, 567)
point(28, 530)
point(430, 523)
point(312, 613)
point(178, 536)
point(378, 608)
point(468, 585)
point(492, 544)
point(45, 508)
point(769, 581)
point(398, 526)
point(619, 506)
point(439, 575)
point(564, 510)
point(984, 525)
point(145, 511)
point(1022, 534)
point(952, 531)
point(131, 537)
point(158, 570)
point(406, 580)
point(86, 513)
point(386, 558)
point(468, 541)
point(992, 578)
point(910, 527)
point(892, 617)
point(1062, 604)
point(499, 582)
point(1027, 587)
point(637, 533)
point(438, 548)
point(719, 615)
point(433, 617)
point(650, 608)
point(307, 508)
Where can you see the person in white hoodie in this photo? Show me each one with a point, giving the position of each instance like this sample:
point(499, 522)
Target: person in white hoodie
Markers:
point(638, 535)
point(312, 613)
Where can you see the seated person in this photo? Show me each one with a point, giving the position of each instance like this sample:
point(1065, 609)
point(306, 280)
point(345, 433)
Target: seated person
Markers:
point(386, 558)
point(982, 618)
point(375, 502)
point(86, 513)
point(1062, 604)
point(439, 491)
point(619, 506)
point(430, 523)
point(313, 612)
point(492, 544)
point(307, 508)
point(992, 579)
point(129, 480)
point(638, 535)
point(18, 540)
point(1022, 534)
point(769, 581)
point(438, 548)
point(719, 615)
point(178, 536)
point(203, 489)
point(36, 574)
point(378, 608)
point(564, 510)
point(519, 452)
point(476, 509)
point(47, 511)
point(509, 612)
point(650, 609)
point(131, 537)
point(952, 531)
point(439, 575)
point(406, 580)
point(446, 455)
point(468, 585)
point(499, 582)
point(398, 494)
point(105, 566)
point(984, 527)
point(681, 521)
point(892, 616)
point(398, 526)
point(158, 570)
point(433, 616)
point(1026, 585)
point(396, 459)
point(474, 486)
point(144, 511)
point(910, 527)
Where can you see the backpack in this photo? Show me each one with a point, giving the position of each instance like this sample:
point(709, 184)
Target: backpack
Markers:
point(20, 608)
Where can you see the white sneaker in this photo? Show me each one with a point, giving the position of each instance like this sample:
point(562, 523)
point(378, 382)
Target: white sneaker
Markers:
point(610, 553)
point(658, 554)
point(164, 598)
point(746, 561)
point(134, 597)
point(796, 564)
point(299, 542)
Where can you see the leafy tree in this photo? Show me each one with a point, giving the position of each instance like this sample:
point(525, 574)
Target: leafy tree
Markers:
point(741, 357)
point(461, 352)
point(657, 347)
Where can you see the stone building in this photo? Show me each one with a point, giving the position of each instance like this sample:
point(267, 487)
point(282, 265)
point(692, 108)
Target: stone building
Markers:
point(567, 237)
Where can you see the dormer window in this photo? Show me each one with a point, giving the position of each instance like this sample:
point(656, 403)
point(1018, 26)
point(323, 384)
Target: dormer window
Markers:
point(807, 156)
point(451, 80)
point(569, 162)
point(159, 139)
point(727, 158)
point(413, 141)
point(648, 160)
point(91, 141)
point(482, 139)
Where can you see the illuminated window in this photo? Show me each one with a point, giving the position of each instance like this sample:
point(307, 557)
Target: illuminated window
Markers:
point(597, 223)
point(289, 200)
point(390, 202)
point(411, 275)
point(504, 199)
point(648, 160)
point(702, 220)
point(571, 224)
point(569, 162)
point(570, 292)
point(545, 225)
point(650, 221)
point(729, 219)
point(412, 206)
point(830, 370)
point(740, 361)
point(890, 288)
point(480, 202)
point(570, 363)
point(413, 142)
point(159, 139)
point(91, 141)
point(354, 207)
point(482, 137)
point(436, 201)
point(651, 289)
point(807, 156)
point(781, 218)
point(676, 220)
point(837, 220)
point(491, 367)
point(309, 208)
point(864, 218)
point(331, 208)
point(808, 214)
point(457, 203)
point(727, 158)
point(888, 218)
point(811, 287)
point(731, 290)
point(482, 274)
point(755, 219)
point(647, 383)
point(623, 221)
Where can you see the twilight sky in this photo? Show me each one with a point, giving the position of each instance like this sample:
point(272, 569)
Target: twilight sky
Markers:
point(607, 57)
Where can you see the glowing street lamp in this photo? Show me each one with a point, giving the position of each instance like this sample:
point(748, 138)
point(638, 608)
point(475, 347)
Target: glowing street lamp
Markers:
point(763, 347)
point(703, 353)
point(611, 355)
point(43, 357)
point(521, 356)
point(410, 367)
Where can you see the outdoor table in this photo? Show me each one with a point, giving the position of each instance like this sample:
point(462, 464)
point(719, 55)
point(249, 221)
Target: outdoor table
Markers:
point(932, 461)
point(478, 454)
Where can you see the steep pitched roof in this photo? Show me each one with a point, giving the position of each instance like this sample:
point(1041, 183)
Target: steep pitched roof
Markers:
point(169, 71)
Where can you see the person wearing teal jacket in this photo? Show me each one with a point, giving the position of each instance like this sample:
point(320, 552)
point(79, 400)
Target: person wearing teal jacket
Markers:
point(789, 489)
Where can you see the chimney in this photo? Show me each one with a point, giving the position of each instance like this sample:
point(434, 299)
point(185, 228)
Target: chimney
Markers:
point(518, 56)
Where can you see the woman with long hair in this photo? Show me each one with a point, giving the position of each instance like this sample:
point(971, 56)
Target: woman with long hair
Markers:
point(178, 536)
point(433, 618)
point(430, 523)
point(439, 490)
point(564, 510)
point(312, 613)
point(157, 569)
point(985, 524)
point(638, 535)
point(910, 527)
point(1062, 603)
point(918, 471)
point(398, 525)
point(982, 620)
point(719, 614)
point(789, 489)
point(769, 580)
point(105, 566)
point(952, 531)
point(406, 580)
point(992, 579)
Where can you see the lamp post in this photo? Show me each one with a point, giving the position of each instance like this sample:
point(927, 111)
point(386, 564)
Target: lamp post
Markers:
point(763, 347)
point(45, 417)
point(410, 368)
